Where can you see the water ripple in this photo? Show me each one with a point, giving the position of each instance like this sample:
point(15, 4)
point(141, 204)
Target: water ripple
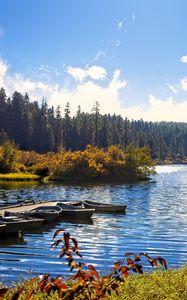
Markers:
point(155, 222)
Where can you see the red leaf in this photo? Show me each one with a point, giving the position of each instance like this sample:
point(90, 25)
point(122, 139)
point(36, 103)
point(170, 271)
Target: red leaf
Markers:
point(66, 240)
point(129, 261)
point(93, 271)
point(3, 292)
point(154, 262)
point(137, 258)
point(162, 261)
point(124, 270)
point(75, 243)
point(62, 253)
point(78, 253)
point(56, 243)
point(57, 232)
point(116, 265)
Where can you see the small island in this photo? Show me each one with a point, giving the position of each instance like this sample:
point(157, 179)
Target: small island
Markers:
point(92, 164)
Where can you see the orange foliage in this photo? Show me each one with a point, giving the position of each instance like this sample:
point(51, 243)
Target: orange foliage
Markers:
point(87, 283)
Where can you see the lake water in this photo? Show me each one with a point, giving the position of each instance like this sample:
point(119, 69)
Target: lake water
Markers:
point(155, 222)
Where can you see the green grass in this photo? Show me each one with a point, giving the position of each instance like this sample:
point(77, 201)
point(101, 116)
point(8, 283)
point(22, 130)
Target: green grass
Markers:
point(167, 285)
point(160, 285)
point(19, 177)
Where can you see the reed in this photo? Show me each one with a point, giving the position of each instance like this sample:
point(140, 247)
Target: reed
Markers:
point(19, 177)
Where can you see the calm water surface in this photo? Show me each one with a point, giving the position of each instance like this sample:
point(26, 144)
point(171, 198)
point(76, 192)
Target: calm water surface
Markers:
point(155, 222)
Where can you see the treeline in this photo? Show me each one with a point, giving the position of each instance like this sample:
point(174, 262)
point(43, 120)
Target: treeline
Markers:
point(44, 129)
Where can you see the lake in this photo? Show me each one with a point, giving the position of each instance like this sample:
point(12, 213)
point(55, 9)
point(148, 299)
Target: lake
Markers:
point(155, 222)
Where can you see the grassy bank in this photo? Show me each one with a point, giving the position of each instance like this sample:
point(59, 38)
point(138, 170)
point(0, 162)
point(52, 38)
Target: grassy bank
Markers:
point(168, 285)
point(19, 177)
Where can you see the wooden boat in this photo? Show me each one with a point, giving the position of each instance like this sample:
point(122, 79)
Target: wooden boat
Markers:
point(13, 224)
point(47, 213)
point(103, 207)
point(2, 227)
point(70, 211)
point(32, 222)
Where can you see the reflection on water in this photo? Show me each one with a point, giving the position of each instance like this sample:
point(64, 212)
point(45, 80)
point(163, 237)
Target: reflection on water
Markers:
point(155, 222)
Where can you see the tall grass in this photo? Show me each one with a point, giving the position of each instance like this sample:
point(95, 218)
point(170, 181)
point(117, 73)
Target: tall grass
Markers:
point(168, 285)
point(19, 177)
point(160, 285)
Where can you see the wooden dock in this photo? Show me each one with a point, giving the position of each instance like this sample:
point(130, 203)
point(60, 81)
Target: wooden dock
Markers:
point(26, 206)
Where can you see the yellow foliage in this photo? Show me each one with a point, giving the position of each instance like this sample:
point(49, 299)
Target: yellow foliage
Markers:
point(113, 163)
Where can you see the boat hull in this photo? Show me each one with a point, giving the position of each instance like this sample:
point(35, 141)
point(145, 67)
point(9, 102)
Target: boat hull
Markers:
point(69, 211)
point(14, 225)
point(100, 207)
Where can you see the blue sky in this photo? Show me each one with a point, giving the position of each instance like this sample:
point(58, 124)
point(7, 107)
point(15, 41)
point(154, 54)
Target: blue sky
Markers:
point(129, 55)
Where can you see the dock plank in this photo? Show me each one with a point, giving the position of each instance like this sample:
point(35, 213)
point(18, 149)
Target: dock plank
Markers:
point(26, 207)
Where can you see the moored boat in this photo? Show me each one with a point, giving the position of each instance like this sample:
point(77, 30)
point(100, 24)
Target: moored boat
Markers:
point(32, 222)
point(103, 207)
point(2, 227)
point(70, 211)
point(47, 213)
point(13, 224)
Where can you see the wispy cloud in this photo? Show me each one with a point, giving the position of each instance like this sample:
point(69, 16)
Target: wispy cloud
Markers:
point(184, 59)
point(120, 25)
point(118, 43)
point(184, 83)
point(133, 16)
point(172, 88)
point(100, 54)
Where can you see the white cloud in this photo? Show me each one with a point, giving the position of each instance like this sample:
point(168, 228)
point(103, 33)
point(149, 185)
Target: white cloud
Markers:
point(3, 71)
point(118, 43)
point(120, 24)
point(133, 16)
point(159, 110)
point(77, 73)
point(172, 88)
point(184, 59)
point(95, 72)
point(85, 93)
point(3, 68)
point(184, 83)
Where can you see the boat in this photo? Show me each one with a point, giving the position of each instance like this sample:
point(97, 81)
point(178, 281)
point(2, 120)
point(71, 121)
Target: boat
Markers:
point(70, 211)
point(32, 222)
point(2, 227)
point(103, 207)
point(47, 213)
point(13, 224)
